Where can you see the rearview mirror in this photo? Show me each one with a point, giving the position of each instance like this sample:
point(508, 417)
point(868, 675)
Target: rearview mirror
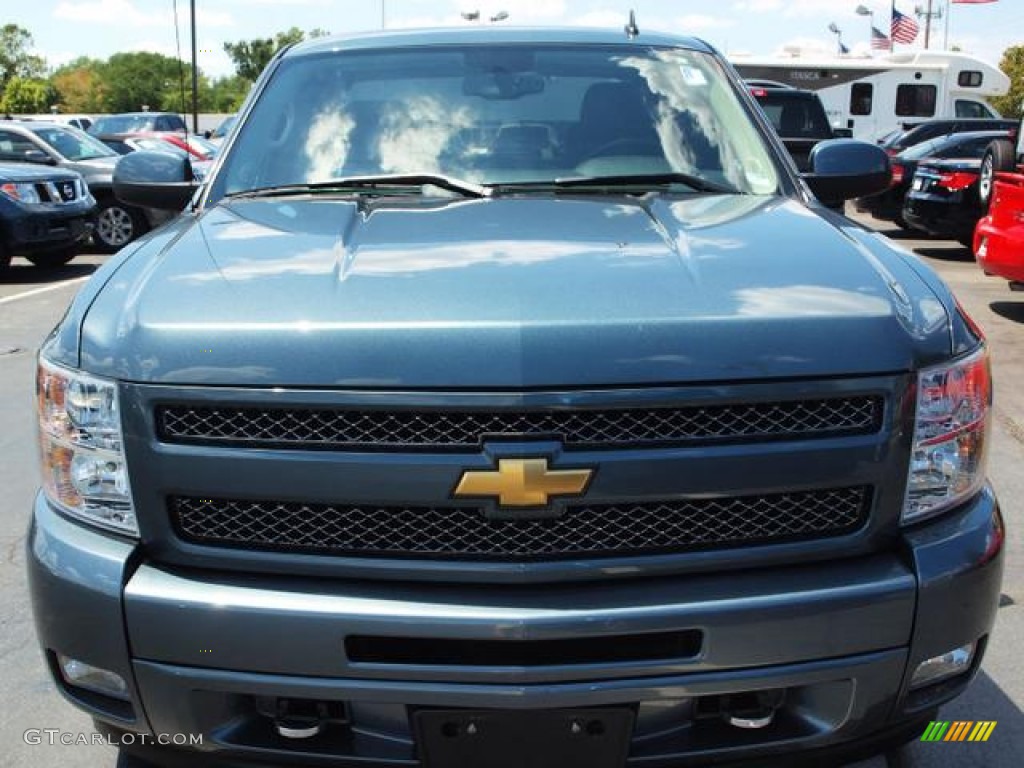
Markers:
point(154, 180)
point(845, 168)
point(503, 85)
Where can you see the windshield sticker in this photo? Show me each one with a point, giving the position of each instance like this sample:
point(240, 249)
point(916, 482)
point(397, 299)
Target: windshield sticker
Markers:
point(693, 76)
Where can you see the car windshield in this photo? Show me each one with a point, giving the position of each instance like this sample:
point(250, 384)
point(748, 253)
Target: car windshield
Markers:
point(924, 149)
point(499, 114)
point(122, 124)
point(225, 126)
point(72, 143)
point(794, 116)
point(158, 145)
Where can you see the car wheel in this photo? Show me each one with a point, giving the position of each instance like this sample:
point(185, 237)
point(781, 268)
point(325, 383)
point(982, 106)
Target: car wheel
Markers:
point(53, 258)
point(998, 157)
point(117, 225)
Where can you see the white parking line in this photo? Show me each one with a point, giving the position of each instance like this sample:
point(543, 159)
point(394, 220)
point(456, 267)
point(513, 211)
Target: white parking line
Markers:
point(44, 289)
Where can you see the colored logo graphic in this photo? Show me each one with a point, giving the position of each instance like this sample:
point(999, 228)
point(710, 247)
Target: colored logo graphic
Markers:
point(958, 730)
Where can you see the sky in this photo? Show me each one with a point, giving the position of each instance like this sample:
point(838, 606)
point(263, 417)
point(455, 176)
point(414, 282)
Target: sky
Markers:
point(65, 29)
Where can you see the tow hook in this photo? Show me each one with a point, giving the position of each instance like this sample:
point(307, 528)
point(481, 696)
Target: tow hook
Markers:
point(300, 718)
point(753, 709)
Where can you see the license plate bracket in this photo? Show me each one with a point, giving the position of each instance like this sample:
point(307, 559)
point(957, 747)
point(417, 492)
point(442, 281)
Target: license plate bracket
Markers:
point(548, 738)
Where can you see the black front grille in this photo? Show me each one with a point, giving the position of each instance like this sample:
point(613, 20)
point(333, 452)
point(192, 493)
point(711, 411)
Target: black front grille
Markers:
point(466, 533)
point(323, 428)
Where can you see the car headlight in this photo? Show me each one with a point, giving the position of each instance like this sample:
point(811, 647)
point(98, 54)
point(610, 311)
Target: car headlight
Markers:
point(83, 464)
point(23, 193)
point(947, 465)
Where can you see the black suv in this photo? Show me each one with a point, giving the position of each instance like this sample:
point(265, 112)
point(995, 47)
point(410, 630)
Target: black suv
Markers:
point(798, 117)
point(44, 214)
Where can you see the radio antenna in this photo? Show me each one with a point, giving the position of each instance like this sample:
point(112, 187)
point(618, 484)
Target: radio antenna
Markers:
point(632, 30)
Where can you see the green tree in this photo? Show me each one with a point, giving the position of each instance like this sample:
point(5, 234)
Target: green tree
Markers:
point(1009, 105)
point(15, 57)
point(228, 93)
point(251, 57)
point(132, 81)
point(23, 95)
point(80, 86)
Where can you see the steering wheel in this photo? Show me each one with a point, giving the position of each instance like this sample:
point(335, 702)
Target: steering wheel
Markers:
point(625, 147)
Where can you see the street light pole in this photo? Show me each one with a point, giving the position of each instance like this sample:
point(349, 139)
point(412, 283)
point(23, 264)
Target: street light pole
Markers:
point(835, 30)
point(863, 10)
point(195, 75)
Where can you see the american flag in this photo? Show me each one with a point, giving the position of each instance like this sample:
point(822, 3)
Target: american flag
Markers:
point(903, 29)
point(879, 41)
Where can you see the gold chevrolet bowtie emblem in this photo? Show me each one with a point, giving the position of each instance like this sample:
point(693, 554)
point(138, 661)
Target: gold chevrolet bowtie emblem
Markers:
point(523, 482)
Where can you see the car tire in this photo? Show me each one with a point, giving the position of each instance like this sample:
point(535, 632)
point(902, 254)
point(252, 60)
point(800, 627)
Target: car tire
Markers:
point(117, 225)
point(998, 157)
point(53, 259)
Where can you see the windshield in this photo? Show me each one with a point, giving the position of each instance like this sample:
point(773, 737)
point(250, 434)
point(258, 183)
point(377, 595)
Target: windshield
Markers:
point(157, 145)
point(498, 114)
point(923, 149)
point(73, 144)
point(123, 124)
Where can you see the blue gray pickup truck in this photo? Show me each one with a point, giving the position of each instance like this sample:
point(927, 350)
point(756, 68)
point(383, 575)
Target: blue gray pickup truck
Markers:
point(507, 398)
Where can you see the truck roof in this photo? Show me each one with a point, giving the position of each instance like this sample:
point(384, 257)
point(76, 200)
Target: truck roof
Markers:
point(389, 39)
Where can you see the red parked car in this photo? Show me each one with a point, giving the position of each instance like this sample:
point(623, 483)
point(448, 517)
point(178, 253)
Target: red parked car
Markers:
point(999, 236)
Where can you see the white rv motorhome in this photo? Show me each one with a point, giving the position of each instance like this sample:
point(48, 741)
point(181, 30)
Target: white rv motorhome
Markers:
point(873, 96)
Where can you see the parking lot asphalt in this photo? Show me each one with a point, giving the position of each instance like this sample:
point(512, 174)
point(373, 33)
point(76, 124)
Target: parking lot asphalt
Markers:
point(32, 300)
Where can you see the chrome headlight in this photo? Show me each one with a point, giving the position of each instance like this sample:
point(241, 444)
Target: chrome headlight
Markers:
point(23, 193)
point(83, 464)
point(947, 465)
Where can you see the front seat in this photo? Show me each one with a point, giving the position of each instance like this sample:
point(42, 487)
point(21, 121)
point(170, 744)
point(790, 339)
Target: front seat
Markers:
point(614, 115)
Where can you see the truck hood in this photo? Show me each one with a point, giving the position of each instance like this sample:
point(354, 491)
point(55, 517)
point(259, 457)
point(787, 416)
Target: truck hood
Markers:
point(511, 292)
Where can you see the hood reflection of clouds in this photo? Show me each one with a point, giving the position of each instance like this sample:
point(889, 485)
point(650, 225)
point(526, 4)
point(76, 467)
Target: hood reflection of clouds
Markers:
point(809, 301)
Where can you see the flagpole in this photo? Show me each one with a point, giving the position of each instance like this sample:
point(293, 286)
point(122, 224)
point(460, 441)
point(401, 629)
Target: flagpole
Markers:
point(945, 36)
point(892, 37)
point(928, 25)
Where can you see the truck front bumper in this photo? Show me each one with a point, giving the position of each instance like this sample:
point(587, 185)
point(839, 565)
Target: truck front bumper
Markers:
point(213, 654)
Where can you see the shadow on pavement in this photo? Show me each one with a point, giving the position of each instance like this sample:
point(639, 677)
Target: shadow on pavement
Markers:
point(949, 253)
point(898, 233)
point(22, 273)
point(1011, 310)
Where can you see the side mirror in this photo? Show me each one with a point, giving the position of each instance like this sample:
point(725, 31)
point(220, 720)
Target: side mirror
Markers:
point(207, 133)
point(39, 157)
point(154, 180)
point(845, 168)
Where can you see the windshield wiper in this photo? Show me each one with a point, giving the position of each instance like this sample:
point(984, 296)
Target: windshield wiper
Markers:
point(643, 181)
point(380, 182)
